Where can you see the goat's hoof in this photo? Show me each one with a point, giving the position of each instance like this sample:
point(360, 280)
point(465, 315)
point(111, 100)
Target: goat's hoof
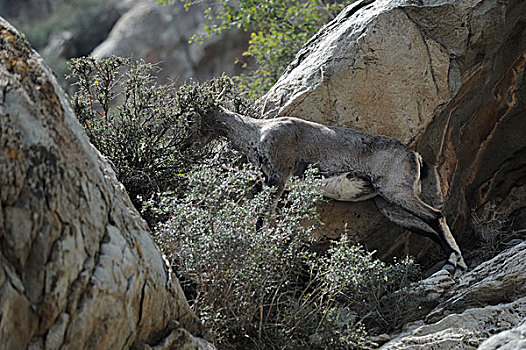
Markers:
point(461, 265)
point(458, 272)
point(455, 265)
point(460, 269)
point(449, 268)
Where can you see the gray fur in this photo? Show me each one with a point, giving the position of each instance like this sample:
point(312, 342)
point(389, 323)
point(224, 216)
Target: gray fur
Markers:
point(381, 165)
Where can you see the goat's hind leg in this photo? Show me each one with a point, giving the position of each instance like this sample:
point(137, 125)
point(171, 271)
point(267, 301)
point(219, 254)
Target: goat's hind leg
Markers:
point(432, 225)
point(406, 220)
point(455, 258)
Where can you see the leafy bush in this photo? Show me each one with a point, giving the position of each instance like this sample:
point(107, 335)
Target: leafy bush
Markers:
point(491, 226)
point(239, 279)
point(139, 125)
point(278, 30)
point(373, 291)
point(132, 121)
point(267, 288)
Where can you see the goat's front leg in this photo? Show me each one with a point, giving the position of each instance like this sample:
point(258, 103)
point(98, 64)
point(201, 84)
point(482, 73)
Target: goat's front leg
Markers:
point(277, 181)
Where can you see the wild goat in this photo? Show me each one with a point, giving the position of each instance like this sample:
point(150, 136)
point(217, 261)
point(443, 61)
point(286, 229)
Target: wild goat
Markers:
point(355, 166)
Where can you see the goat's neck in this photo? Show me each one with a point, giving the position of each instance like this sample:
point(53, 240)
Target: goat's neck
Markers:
point(242, 131)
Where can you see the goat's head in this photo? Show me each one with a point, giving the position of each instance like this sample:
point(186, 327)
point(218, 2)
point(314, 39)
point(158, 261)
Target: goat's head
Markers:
point(200, 105)
point(199, 132)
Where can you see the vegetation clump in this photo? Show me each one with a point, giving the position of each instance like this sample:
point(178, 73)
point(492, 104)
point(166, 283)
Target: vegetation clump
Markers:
point(264, 288)
point(491, 226)
point(139, 125)
point(267, 288)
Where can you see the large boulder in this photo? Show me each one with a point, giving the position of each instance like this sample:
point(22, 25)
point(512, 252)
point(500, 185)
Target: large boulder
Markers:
point(142, 29)
point(78, 268)
point(161, 34)
point(445, 77)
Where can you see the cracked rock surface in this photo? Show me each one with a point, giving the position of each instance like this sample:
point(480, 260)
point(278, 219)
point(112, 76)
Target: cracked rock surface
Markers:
point(78, 268)
point(447, 78)
point(484, 309)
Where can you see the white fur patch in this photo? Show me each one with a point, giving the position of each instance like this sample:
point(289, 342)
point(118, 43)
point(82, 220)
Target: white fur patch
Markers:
point(345, 188)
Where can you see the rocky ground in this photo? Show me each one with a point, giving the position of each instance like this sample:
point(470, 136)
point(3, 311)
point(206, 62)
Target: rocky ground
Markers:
point(483, 309)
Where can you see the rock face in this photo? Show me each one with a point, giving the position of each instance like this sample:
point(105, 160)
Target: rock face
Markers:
point(78, 268)
point(160, 34)
point(485, 309)
point(445, 77)
point(508, 340)
point(87, 24)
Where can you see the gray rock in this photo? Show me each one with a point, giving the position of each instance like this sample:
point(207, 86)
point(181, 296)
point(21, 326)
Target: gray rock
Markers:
point(508, 340)
point(160, 34)
point(27, 11)
point(461, 331)
point(492, 282)
point(78, 268)
point(60, 45)
point(433, 287)
point(486, 302)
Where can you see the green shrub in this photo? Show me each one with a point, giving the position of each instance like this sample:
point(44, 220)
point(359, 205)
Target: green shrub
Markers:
point(238, 279)
point(371, 289)
point(132, 121)
point(139, 125)
point(267, 288)
point(278, 30)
